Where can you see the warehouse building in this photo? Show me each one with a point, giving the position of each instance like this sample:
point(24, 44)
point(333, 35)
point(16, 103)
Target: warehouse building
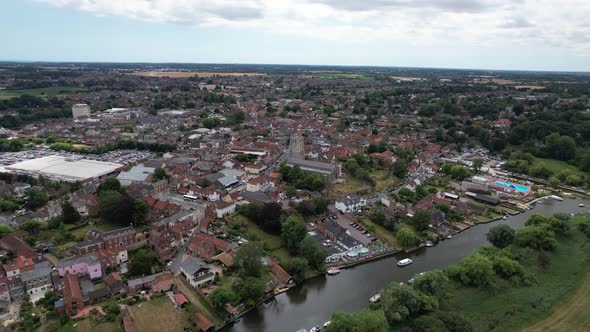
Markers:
point(69, 169)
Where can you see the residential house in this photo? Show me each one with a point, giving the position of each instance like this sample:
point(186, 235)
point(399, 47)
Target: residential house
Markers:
point(206, 246)
point(80, 265)
point(37, 281)
point(196, 271)
point(350, 204)
point(73, 299)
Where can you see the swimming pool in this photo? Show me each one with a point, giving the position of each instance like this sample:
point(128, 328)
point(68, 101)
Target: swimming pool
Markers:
point(512, 185)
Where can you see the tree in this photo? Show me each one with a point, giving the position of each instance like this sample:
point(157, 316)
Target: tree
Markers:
point(297, 267)
point(220, 297)
point(421, 220)
point(364, 320)
point(459, 172)
point(115, 208)
point(400, 168)
point(476, 164)
point(293, 231)
point(35, 199)
point(249, 257)
point(474, 270)
point(269, 218)
point(69, 214)
point(316, 256)
point(401, 303)
point(501, 236)
point(378, 217)
point(248, 289)
point(434, 283)
point(250, 211)
point(290, 191)
point(160, 174)
point(109, 184)
point(536, 237)
point(5, 229)
point(33, 226)
point(140, 211)
point(144, 262)
point(8, 205)
point(406, 237)
point(553, 182)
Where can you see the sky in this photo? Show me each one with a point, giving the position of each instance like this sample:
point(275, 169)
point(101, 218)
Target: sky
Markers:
point(549, 35)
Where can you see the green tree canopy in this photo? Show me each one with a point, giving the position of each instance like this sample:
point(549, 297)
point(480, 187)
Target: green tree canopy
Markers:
point(293, 231)
point(501, 236)
point(248, 257)
point(364, 320)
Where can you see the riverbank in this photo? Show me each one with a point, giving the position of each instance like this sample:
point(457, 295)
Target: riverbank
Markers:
point(314, 301)
point(512, 308)
point(570, 315)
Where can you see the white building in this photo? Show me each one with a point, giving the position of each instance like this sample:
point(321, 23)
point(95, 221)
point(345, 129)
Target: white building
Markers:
point(80, 110)
point(350, 204)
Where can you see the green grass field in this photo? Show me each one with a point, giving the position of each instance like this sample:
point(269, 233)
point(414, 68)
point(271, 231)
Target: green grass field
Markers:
point(51, 91)
point(507, 308)
point(557, 166)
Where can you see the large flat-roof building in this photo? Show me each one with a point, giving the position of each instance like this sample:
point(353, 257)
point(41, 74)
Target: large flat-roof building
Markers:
point(69, 169)
point(329, 171)
point(80, 110)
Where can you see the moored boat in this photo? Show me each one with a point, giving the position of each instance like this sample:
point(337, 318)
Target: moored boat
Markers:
point(334, 271)
point(429, 244)
point(375, 298)
point(280, 290)
point(405, 262)
point(316, 328)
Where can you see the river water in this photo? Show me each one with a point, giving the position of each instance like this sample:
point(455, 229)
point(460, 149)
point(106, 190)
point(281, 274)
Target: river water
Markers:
point(313, 302)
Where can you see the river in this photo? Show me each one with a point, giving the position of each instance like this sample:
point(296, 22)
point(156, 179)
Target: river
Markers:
point(314, 301)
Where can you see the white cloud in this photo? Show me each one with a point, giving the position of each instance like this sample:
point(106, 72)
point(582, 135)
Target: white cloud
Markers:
point(478, 23)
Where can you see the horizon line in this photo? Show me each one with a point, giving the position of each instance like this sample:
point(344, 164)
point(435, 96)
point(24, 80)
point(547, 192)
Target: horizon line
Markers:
point(293, 64)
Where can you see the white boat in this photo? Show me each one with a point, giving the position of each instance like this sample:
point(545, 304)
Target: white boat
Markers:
point(505, 217)
point(557, 198)
point(404, 262)
point(375, 298)
point(449, 237)
point(429, 244)
point(334, 271)
point(326, 324)
point(581, 205)
point(302, 330)
point(316, 328)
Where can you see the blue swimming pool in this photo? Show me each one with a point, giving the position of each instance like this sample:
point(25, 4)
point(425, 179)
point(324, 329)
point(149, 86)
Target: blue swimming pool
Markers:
point(512, 185)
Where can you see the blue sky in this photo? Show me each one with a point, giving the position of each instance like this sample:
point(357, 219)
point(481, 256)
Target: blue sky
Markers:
point(494, 34)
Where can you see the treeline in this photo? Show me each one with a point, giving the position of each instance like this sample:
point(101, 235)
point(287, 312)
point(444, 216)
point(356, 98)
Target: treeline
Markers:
point(30, 102)
point(426, 302)
point(118, 145)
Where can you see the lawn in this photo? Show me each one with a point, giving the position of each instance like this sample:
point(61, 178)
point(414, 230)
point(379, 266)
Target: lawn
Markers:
point(572, 314)
point(557, 166)
point(383, 178)
point(380, 231)
point(159, 314)
point(273, 242)
point(507, 308)
point(51, 91)
point(352, 185)
point(81, 232)
point(85, 325)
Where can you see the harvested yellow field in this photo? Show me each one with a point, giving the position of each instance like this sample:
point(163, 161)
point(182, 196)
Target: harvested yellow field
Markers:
point(529, 87)
point(185, 74)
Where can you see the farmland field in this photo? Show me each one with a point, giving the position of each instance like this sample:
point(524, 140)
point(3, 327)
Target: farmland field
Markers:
point(51, 91)
point(185, 74)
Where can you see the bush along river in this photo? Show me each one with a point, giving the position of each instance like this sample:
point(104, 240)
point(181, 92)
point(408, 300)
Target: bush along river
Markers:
point(314, 301)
